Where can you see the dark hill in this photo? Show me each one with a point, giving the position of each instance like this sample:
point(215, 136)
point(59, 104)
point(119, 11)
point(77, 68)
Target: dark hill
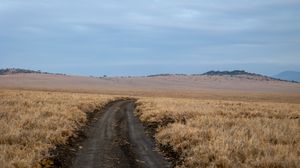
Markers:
point(8, 71)
point(289, 75)
point(248, 75)
point(231, 73)
point(16, 70)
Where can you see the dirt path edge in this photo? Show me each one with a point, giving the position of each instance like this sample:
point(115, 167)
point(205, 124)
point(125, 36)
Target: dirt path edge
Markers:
point(151, 128)
point(62, 155)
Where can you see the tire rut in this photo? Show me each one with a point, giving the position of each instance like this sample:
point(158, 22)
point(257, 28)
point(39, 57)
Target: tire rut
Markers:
point(118, 139)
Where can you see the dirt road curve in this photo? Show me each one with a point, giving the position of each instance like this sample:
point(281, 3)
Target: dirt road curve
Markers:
point(118, 139)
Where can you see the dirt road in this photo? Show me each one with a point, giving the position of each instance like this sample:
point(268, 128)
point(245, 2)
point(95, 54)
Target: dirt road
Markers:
point(118, 139)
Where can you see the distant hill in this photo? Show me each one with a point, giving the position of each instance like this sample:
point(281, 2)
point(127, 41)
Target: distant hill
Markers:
point(234, 73)
point(211, 73)
point(231, 73)
point(167, 74)
point(289, 75)
point(242, 73)
point(8, 71)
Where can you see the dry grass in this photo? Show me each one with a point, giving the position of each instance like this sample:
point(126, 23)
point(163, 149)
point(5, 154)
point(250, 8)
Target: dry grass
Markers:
point(261, 130)
point(175, 86)
point(216, 133)
point(33, 122)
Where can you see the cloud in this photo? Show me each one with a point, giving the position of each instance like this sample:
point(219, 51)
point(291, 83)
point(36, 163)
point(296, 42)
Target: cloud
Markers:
point(151, 31)
point(215, 16)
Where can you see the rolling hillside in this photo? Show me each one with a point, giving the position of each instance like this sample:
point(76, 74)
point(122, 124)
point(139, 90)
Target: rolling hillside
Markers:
point(289, 75)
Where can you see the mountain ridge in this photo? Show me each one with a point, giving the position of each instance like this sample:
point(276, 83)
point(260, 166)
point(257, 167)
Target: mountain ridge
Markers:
point(7, 71)
point(234, 73)
point(289, 75)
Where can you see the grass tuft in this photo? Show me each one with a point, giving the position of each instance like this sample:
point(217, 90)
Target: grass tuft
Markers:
point(34, 122)
point(216, 133)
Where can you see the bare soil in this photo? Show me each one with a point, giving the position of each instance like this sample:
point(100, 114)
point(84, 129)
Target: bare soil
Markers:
point(113, 138)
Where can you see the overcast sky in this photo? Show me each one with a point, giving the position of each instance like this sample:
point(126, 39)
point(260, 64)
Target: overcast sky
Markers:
point(140, 37)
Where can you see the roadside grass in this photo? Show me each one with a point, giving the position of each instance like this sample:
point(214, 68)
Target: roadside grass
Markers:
point(34, 122)
point(205, 133)
point(221, 133)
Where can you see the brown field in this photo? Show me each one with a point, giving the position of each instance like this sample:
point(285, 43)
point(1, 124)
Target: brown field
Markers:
point(208, 121)
point(200, 87)
point(147, 84)
point(33, 122)
point(216, 133)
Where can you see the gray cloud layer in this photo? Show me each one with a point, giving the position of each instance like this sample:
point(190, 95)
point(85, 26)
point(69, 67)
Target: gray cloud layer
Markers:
point(152, 32)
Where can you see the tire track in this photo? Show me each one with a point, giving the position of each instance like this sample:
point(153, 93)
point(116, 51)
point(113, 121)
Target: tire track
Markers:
point(118, 139)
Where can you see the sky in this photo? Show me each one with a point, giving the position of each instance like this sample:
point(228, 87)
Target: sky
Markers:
point(142, 37)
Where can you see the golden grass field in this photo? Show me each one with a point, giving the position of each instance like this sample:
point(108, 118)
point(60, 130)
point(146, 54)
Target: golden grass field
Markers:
point(33, 122)
point(207, 121)
point(218, 133)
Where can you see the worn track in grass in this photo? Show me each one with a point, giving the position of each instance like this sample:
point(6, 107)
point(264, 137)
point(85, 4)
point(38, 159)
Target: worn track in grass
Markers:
point(118, 139)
